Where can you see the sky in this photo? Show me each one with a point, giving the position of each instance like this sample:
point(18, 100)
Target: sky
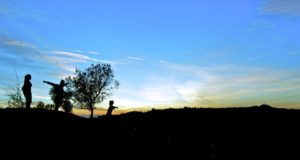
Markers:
point(165, 53)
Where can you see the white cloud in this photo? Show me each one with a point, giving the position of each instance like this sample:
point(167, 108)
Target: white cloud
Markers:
point(136, 58)
point(291, 7)
point(160, 93)
point(18, 43)
point(75, 50)
point(23, 54)
point(189, 90)
point(162, 61)
point(93, 52)
point(81, 51)
point(79, 57)
point(235, 85)
point(74, 55)
point(41, 97)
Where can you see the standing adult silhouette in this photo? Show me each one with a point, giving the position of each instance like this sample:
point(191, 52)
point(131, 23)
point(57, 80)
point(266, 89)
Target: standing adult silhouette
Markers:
point(58, 91)
point(110, 108)
point(27, 90)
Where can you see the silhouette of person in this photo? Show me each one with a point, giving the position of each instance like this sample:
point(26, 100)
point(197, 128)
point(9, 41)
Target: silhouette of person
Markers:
point(110, 108)
point(58, 92)
point(27, 90)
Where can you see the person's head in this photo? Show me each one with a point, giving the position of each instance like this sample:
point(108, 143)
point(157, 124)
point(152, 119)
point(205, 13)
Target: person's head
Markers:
point(111, 102)
point(27, 77)
point(62, 82)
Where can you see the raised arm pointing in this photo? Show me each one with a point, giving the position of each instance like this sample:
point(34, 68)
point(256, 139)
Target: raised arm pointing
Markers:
point(50, 83)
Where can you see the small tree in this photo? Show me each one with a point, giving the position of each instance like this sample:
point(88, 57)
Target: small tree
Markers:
point(15, 99)
point(92, 85)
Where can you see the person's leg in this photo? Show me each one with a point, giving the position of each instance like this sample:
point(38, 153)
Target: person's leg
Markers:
point(58, 103)
point(56, 107)
point(28, 101)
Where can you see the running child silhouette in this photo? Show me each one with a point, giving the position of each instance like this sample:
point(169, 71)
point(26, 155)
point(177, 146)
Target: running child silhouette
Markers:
point(110, 108)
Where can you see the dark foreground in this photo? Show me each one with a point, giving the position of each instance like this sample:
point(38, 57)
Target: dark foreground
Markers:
point(235, 133)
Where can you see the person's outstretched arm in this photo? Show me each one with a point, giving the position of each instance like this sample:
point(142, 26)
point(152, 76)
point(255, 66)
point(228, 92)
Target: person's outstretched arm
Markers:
point(52, 84)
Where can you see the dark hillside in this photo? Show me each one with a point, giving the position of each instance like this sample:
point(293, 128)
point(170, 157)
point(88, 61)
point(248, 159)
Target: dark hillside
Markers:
point(253, 132)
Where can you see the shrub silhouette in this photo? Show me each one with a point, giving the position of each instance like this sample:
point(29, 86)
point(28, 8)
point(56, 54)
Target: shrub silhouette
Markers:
point(15, 97)
point(49, 106)
point(40, 104)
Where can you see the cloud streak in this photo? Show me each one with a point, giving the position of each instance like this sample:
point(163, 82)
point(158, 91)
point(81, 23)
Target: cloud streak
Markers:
point(93, 52)
point(81, 51)
point(23, 53)
point(233, 86)
point(78, 57)
point(291, 7)
point(261, 24)
point(136, 58)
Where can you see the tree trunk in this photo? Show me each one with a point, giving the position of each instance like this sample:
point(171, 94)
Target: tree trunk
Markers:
point(92, 112)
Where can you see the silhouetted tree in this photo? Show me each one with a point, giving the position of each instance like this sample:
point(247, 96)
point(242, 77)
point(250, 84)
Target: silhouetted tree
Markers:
point(15, 99)
point(92, 85)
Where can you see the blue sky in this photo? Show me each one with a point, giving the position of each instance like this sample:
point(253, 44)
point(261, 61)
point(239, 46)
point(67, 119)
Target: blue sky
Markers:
point(165, 53)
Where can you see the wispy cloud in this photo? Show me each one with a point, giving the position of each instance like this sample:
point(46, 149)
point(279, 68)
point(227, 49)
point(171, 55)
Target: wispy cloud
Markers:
point(162, 61)
point(261, 24)
point(76, 57)
point(136, 58)
point(79, 57)
point(93, 52)
point(81, 51)
point(234, 86)
point(20, 52)
point(75, 50)
point(291, 7)
point(41, 97)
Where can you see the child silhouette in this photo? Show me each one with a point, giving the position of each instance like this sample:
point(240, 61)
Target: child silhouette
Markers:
point(110, 108)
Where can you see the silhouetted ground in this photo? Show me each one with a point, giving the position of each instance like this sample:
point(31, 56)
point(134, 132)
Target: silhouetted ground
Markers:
point(234, 133)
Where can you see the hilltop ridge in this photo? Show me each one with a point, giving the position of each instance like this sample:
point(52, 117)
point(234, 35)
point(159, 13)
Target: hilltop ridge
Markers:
point(203, 132)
